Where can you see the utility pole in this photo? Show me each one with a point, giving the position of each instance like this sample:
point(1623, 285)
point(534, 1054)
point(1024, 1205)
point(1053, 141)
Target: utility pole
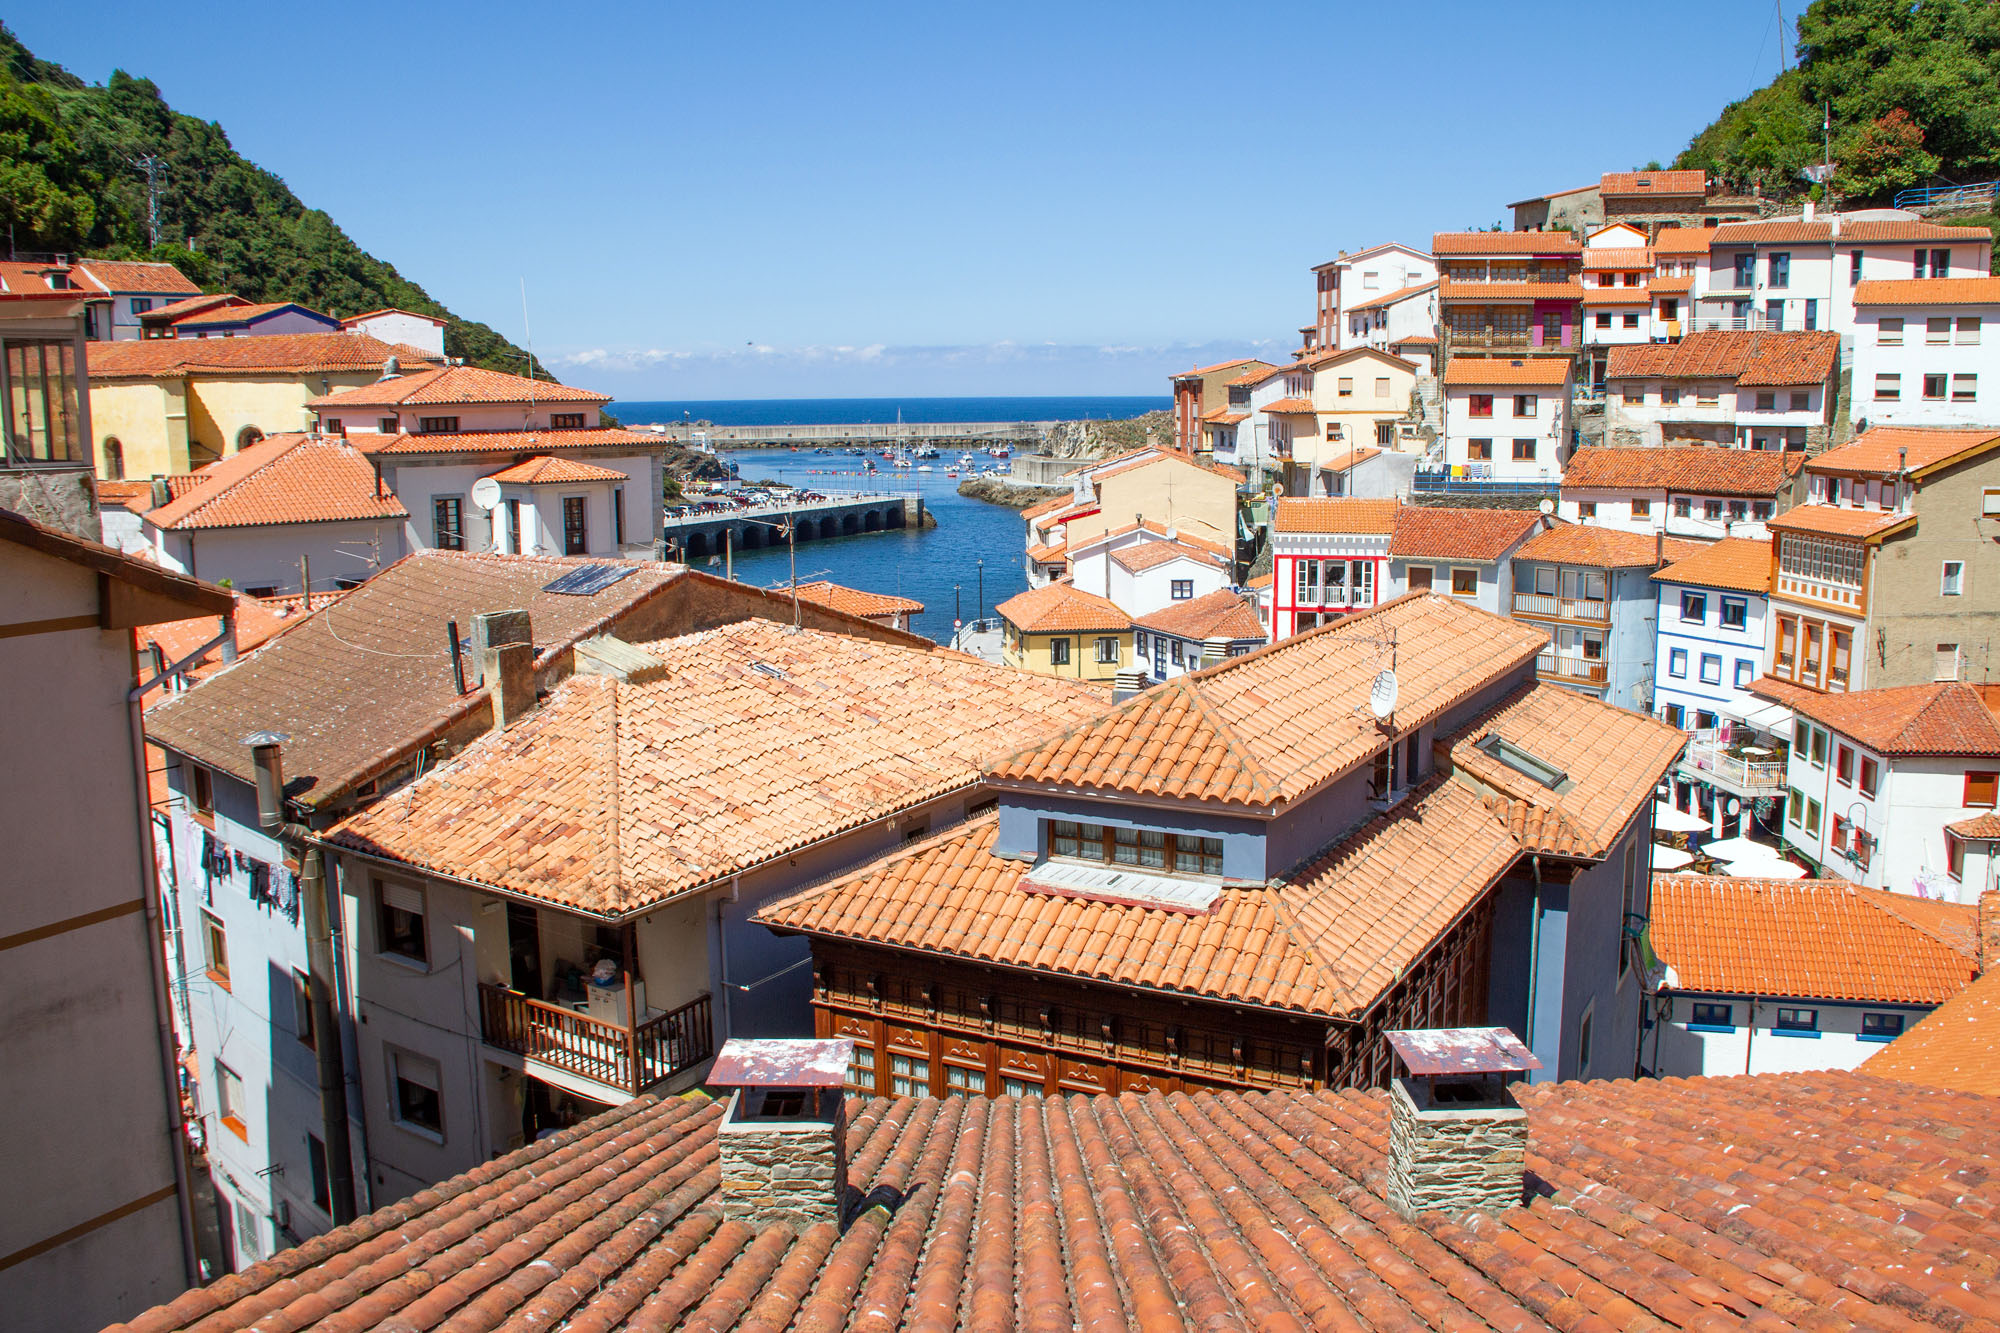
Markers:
point(982, 592)
point(150, 164)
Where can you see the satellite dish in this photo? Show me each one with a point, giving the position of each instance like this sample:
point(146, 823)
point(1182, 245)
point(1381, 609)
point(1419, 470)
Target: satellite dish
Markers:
point(1382, 696)
point(486, 492)
point(1548, 506)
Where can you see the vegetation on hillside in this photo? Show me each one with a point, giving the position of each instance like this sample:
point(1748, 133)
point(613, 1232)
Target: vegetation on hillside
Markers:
point(1909, 90)
point(70, 181)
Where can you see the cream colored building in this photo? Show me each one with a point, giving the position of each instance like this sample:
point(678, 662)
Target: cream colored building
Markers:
point(1156, 484)
point(1360, 397)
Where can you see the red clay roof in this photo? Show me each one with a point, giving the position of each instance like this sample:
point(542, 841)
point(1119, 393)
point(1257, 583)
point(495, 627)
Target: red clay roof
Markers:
point(1150, 555)
point(1810, 939)
point(1509, 292)
point(277, 354)
point(546, 471)
point(1928, 291)
point(1700, 469)
point(1797, 231)
point(1948, 718)
point(1757, 358)
point(392, 310)
point(1627, 257)
point(1682, 242)
point(1221, 612)
point(1602, 548)
point(1531, 372)
point(1662, 284)
point(118, 275)
point(1826, 520)
point(1293, 406)
point(1617, 296)
point(1956, 1046)
point(450, 385)
point(1623, 184)
point(1400, 294)
point(1979, 826)
point(1049, 506)
point(1739, 564)
point(506, 441)
point(1505, 243)
point(854, 601)
point(167, 314)
point(237, 314)
point(1880, 451)
point(1056, 608)
point(1049, 553)
point(1482, 535)
point(1337, 514)
point(282, 479)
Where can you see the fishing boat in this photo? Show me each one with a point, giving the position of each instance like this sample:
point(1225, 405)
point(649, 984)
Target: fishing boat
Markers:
point(1000, 451)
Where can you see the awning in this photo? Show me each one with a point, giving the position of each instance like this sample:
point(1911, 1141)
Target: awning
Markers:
point(1668, 819)
point(1671, 858)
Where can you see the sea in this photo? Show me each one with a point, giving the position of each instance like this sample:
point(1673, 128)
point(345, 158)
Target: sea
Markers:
point(849, 411)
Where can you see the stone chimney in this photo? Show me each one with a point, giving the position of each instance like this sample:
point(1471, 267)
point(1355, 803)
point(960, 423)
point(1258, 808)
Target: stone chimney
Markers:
point(503, 646)
point(1458, 1140)
point(782, 1143)
point(1988, 927)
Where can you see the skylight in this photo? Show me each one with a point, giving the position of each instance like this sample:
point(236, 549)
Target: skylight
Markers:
point(1526, 764)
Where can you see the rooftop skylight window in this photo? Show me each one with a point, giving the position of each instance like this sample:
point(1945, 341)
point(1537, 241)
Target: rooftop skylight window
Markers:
point(1526, 764)
point(766, 669)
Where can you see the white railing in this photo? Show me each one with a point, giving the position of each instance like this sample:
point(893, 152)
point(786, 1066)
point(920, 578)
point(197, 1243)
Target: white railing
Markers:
point(1710, 755)
point(1563, 666)
point(1563, 608)
point(1336, 597)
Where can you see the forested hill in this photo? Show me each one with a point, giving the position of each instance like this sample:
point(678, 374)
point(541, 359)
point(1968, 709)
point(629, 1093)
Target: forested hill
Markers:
point(1910, 87)
point(68, 184)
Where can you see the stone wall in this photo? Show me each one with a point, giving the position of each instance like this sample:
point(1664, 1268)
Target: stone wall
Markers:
point(59, 497)
point(1452, 1159)
point(794, 1172)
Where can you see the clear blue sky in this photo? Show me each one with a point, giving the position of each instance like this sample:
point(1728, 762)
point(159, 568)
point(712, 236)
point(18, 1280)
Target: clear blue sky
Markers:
point(736, 200)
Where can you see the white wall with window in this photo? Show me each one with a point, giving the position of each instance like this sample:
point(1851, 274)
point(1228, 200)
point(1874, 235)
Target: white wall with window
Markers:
point(1505, 432)
point(1927, 364)
point(1738, 1034)
point(1711, 647)
point(619, 515)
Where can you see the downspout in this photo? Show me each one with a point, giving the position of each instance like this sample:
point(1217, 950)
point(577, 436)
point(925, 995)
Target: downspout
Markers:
point(1749, 1032)
point(1534, 950)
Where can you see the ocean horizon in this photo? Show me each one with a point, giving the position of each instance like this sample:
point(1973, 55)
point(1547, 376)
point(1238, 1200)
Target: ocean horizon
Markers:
point(859, 411)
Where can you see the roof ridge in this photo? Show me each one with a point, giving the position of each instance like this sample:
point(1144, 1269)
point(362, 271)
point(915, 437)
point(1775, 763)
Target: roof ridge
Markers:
point(1253, 768)
point(1880, 900)
point(616, 769)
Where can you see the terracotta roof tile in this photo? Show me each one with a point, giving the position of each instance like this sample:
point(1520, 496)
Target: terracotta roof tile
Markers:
point(1602, 548)
point(1955, 1046)
point(192, 305)
point(1275, 725)
point(1291, 406)
point(1700, 469)
point(1055, 608)
point(117, 275)
point(257, 620)
point(1392, 298)
point(277, 354)
point(614, 796)
point(1139, 458)
point(1415, 340)
point(1616, 257)
point(1544, 372)
point(1048, 506)
point(855, 601)
point(1928, 291)
point(235, 314)
point(1624, 184)
point(1946, 718)
point(1049, 554)
point(1796, 230)
point(447, 385)
point(1151, 555)
point(506, 441)
point(1670, 284)
point(392, 310)
point(1221, 612)
point(1617, 296)
point(1979, 826)
point(1682, 242)
point(1219, 366)
point(1342, 462)
point(545, 471)
point(1183, 533)
point(1474, 293)
point(1835, 521)
point(1882, 450)
point(1339, 514)
point(1260, 372)
point(1739, 564)
point(1222, 416)
point(1505, 243)
point(1482, 535)
point(282, 479)
point(1748, 357)
point(1809, 939)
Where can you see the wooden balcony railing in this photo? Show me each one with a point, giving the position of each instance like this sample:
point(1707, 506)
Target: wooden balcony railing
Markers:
point(1563, 608)
point(1564, 667)
point(628, 1059)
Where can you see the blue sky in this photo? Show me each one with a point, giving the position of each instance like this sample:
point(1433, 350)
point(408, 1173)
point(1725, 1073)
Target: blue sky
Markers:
point(849, 200)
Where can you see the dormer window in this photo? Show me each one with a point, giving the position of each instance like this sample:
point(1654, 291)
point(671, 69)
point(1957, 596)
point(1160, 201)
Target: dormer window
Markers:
point(566, 421)
point(1147, 849)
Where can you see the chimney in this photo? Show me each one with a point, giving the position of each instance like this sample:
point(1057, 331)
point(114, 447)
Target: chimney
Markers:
point(1127, 683)
point(1811, 208)
point(782, 1143)
point(503, 645)
point(1458, 1141)
point(608, 655)
point(1988, 930)
point(1215, 650)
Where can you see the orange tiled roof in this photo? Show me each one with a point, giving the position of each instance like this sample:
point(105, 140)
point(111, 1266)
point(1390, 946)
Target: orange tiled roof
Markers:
point(1674, 285)
point(1928, 291)
point(1146, 456)
point(1624, 257)
point(1271, 727)
point(1055, 608)
point(1051, 553)
point(1617, 296)
point(1260, 372)
point(1293, 406)
point(392, 310)
point(277, 354)
point(1482, 535)
point(1834, 1199)
point(1826, 520)
point(1505, 243)
point(1682, 242)
point(1749, 357)
point(117, 275)
point(1796, 230)
point(1881, 450)
point(167, 314)
point(1048, 506)
point(1339, 514)
point(236, 314)
point(612, 796)
point(505, 441)
point(855, 601)
point(1545, 372)
point(1415, 340)
point(1151, 555)
point(1628, 183)
point(1221, 612)
point(1222, 416)
point(1342, 462)
point(1948, 718)
point(1400, 294)
point(1602, 548)
point(1218, 366)
point(256, 621)
point(1739, 564)
point(282, 479)
point(546, 471)
point(1701, 469)
point(1955, 1046)
point(1810, 940)
point(448, 385)
point(1979, 826)
point(1509, 292)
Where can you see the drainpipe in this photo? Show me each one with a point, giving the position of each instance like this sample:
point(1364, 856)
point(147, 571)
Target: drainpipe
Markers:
point(1534, 949)
point(1749, 1032)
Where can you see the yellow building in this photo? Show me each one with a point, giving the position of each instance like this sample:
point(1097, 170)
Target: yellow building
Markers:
point(1157, 484)
point(170, 405)
point(1058, 630)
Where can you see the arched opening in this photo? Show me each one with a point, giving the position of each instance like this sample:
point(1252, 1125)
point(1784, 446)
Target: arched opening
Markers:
point(114, 459)
point(896, 517)
point(750, 538)
point(803, 529)
point(696, 545)
point(246, 437)
point(850, 523)
point(872, 523)
point(829, 527)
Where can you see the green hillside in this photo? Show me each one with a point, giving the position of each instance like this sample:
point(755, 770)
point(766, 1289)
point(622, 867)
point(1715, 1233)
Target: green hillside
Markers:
point(68, 183)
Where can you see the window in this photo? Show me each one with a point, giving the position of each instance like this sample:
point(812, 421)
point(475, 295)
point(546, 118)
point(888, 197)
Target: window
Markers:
point(1817, 751)
point(1107, 651)
point(1953, 582)
point(1853, 267)
point(1933, 387)
point(114, 459)
point(1795, 806)
point(1745, 274)
point(1746, 671)
point(1778, 269)
point(1735, 613)
point(1670, 308)
point(1712, 510)
point(1464, 583)
point(1812, 312)
point(1954, 855)
point(1843, 765)
point(431, 425)
point(1881, 1027)
point(302, 1009)
point(1182, 589)
point(565, 420)
point(1642, 509)
point(1889, 332)
point(1694, 607)
point(1706, 395)
point(1385, 433)
point(1526, 404)
point(1713, 1017)
point(399, 921)
point(141, 304)
point(1058, 652)
point(448, 522)
point(861, 1067)
point(575, 541)
point(1711, 669)
point(1382, 387)
point(1479, 451)
point(1870, 773)
point(1670, 394)
point(1677, 662)
point(1937, 330)
point(1345, 387)
point(618, 516)
point(387, 425)
point(230, 1107)
point(1015, 1087)
point(334, 426)
point(1801, 402)
point(1139, 643)
point(1184, 852)
point(1812, 817)
point(1761, 510)
point(1946, 665)
point(1968, 329)
point(215, 945)
point(1767, 402)
point(1524, 451)
point(1683, 507)
point(1989, 505)
point(514, 528)
point(1583, 1035)
point(1631, 321)
point(1774, 314)
point(1604, 319)
point(909, 1075)
point(416, 1096)
point(1979, 789)
point(1420, 578)
point(1940, 263)
point(960, 1078)
point(1797, 1020)
point(1481, 403)
point(201, 789)
point(1964, 388)
point(322, 1192)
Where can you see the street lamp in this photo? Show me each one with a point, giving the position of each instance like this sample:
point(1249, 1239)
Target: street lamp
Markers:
point(982, 591)
point(955, 621)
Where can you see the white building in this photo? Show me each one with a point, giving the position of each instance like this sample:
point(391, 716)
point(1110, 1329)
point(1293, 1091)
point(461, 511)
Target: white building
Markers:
point(1922, 348)
point(1877, 777)
point(120, 291)
point(1329, 558)
point(1696, 491)
point(400, 326)
point(1147, 566)
point(1712, 620)
point(1507, 419)
point(1392, 317)
point(1466, 553)
point(1360, 278)
point(1801, 273)
point(1754, 390)
point(1186, 636)
point(1617, 292)
point(1770, 977)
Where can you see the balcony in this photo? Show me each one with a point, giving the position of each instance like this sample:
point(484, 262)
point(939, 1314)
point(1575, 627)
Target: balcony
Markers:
point(1728, 763)
point(627, 1059)
point(1562, 608)
point(1576, 670)
point(1336, 597)
point(1468, 479)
